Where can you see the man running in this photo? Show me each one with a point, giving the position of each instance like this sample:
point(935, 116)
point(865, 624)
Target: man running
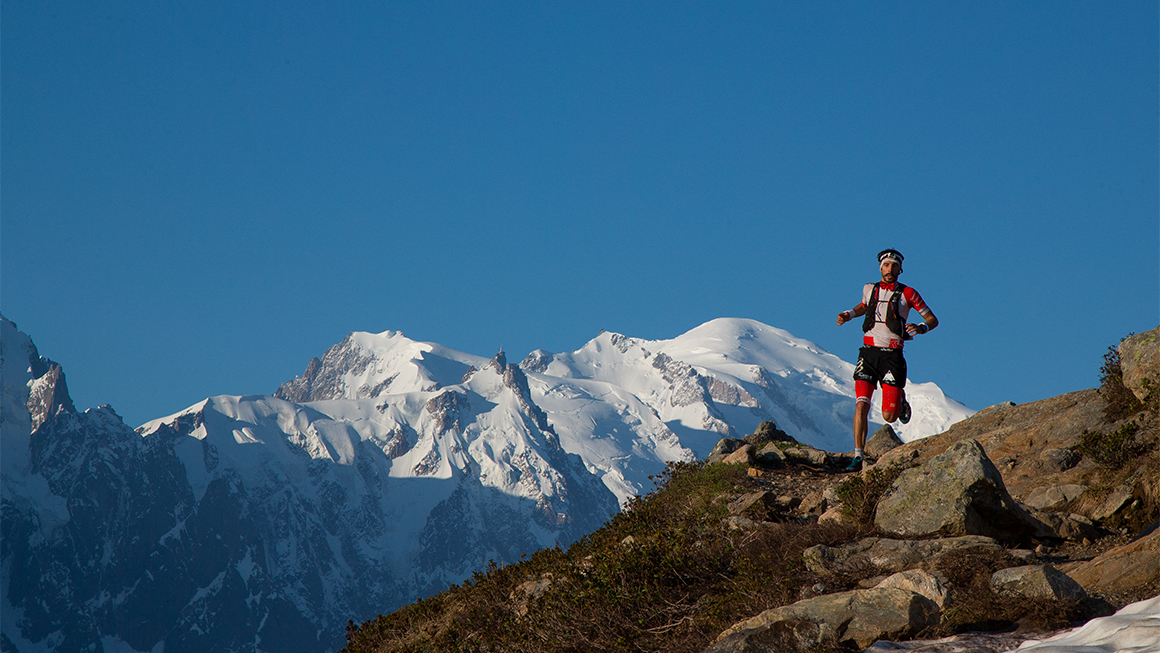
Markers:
point(885, 305)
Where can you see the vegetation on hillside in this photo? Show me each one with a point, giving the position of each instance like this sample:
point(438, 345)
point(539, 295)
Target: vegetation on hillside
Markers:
point(668, 574)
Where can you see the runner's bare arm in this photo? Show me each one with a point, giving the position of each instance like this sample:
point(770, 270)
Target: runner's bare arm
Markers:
point(931, 322)
point(846, 316)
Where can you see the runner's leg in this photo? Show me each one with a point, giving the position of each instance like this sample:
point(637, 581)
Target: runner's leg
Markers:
point(864, 390)
point(890, 402)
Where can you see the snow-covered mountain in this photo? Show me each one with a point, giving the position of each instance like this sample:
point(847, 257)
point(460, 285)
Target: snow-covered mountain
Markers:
point(624, 405)
point(388, 470)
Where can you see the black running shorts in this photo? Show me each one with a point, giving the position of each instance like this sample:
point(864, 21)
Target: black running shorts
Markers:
point(878, 365)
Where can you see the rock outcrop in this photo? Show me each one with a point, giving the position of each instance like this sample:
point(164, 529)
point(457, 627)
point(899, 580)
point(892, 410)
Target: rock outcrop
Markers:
point(1140, 362)
point(958, 492)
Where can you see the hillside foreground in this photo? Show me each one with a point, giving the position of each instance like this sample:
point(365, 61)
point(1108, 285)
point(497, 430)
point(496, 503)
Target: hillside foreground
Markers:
point(767, 546)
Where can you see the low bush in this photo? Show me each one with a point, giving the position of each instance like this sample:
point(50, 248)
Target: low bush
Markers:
point(860, 493)
point(1113, 449)
point(1121, 401)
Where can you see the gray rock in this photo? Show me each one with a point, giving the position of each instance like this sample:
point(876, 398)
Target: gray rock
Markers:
point(768, 432)
point(1059, 460)
point(883, 440)
point(1037, 582)
point(886, 555)
point(723, 448)
point(958, 492)
point(1055, 495)
point(835, 515)
point(755, 505)
point(743, 456)
point(1140, 361)
point(814, 504)
point(921, 582)
point(856, 619)
point(808, 455)
point(739, 523)
point(1063, 527)
point(1119, 498)
point(770, 456)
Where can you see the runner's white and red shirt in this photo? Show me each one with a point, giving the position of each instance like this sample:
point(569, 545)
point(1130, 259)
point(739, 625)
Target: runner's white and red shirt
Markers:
point(880, 335)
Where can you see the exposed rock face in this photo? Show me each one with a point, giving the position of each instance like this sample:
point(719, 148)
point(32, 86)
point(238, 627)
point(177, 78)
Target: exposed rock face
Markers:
point(325, 378)
point(536, 362)
point(1140, 360)
point(1037, 582)
point(958, 492)
point(48, 395)
point(856, 618)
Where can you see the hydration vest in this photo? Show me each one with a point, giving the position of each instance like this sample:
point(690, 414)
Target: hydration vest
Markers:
point(893, 320)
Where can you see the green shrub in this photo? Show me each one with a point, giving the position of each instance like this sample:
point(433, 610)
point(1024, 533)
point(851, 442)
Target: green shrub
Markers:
point(1121, 402)
point(860, 493)
point(1113, 449)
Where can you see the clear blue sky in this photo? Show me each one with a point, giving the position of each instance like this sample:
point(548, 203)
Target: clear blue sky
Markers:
point(198, 197)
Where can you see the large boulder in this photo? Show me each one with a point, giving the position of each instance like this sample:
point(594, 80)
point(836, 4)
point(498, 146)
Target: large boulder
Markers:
point(770, 455)
point(958, 492)
point(856, 619)
point(1140, 360)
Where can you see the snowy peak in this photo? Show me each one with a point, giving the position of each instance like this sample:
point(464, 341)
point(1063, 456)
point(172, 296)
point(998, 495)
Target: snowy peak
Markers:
point(368, 365)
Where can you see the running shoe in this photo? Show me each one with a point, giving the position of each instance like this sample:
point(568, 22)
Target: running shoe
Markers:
point(855, 465)
point(904, 412)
